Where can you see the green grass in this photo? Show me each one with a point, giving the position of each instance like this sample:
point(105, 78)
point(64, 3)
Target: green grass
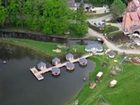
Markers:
point(41, 47)
point(109, 29)
point(44, 48)
point(115, 33)
point(125, 93)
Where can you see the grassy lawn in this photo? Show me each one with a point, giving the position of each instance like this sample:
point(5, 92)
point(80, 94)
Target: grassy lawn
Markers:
point(44, 48)
point(125, 93)
point(115, 33)
point(110, 29)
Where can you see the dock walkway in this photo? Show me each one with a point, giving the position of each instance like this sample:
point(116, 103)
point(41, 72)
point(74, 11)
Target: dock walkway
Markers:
point(38, 74)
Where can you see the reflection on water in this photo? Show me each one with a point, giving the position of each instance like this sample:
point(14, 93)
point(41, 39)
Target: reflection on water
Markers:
point(11, 52)
point(19, 87)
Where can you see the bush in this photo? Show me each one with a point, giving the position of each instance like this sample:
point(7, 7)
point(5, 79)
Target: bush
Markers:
point(116, 33)
point(79, 30)
point(109, 29)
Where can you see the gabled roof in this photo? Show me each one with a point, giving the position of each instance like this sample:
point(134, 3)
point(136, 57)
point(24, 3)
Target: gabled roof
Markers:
point(41, 64)
point(55, 59)
point(69, 56)
point(134, 16)
point(131, 18)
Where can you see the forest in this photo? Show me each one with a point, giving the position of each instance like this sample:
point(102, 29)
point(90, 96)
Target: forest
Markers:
point(46, 16)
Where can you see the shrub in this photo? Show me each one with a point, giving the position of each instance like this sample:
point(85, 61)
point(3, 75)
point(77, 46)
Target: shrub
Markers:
point(109, 29)
point(116, 33)
point(79, 30)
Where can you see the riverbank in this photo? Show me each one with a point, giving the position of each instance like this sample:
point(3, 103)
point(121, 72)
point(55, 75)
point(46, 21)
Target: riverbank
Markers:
point(44, 48)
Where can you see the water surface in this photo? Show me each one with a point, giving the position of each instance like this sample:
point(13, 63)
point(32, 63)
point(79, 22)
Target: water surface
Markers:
point(18, 86)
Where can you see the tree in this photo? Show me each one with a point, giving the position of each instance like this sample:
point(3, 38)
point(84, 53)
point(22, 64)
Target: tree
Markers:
point(117, 8)
point(33, 13)
point(3, 14)
point(80, 27)
point(56, 17)
point(48, 16)
point(101, 2)
point(15, 12)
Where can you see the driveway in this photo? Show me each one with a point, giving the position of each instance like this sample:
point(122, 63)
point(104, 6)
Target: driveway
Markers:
point(110, 45)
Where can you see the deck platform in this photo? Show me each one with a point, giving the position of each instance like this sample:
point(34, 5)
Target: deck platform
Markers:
point(38, 74)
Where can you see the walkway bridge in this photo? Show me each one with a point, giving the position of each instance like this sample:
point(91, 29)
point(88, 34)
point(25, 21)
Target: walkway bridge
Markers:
point(39, 74)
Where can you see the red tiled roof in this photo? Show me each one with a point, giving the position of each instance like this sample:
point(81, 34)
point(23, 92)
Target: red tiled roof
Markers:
point(134, 16)
point(127, 22)
point(137, 3)
point(138, 11)
point(131, 18)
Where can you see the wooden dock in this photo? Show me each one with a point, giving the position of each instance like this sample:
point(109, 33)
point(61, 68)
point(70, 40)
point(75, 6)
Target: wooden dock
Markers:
point(38, 74)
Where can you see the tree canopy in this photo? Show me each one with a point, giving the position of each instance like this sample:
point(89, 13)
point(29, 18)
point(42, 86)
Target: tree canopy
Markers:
point(56, 14)
point(3, 13)
point(80, 27)
point(103, 2)
point(117, 8)
point(48, 16)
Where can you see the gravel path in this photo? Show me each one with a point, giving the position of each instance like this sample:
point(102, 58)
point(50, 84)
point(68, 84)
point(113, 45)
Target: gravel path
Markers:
point(110, 45)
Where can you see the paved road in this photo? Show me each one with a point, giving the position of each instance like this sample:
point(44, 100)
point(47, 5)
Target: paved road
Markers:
point(110, 45)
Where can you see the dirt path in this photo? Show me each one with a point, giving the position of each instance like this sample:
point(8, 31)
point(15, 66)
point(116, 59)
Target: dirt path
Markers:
point(110, 45)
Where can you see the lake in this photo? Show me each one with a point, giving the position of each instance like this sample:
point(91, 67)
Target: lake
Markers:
point(18, 86)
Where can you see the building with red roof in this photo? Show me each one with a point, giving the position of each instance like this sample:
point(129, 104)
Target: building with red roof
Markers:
point(131, 18)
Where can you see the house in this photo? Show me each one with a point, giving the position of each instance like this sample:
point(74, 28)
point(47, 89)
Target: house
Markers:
point(55, 71)
point(69, 56)
point(41, 66)
point(96, 47)
point(87, 7)
point(83, 61)
point(131, 18)
point(70, 66)
point(55, 61)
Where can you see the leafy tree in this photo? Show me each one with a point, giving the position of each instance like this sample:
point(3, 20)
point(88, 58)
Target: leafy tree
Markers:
point(3, 14)
point(15, 11)
point(80, 26)
point(33, 13)
point(49, 16)
point(56, 17)
point(101, 2)
point(117, 8)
